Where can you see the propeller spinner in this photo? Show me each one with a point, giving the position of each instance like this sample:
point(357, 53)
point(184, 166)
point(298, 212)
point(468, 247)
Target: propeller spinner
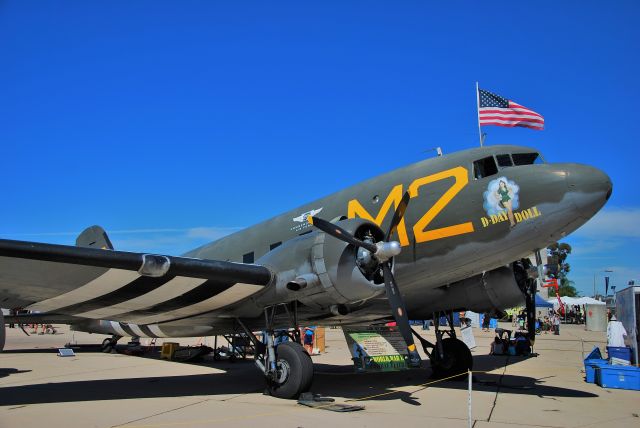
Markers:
point(382, 252)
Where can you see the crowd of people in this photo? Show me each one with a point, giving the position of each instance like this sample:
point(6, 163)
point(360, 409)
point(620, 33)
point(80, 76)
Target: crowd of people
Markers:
point(550, 323)
point(544, 324)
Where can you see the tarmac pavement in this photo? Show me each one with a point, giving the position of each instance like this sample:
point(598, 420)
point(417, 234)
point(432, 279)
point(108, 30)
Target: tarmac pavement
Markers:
point(93, 389)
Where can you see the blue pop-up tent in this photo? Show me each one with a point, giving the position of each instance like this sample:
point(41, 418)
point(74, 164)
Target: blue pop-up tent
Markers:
point(541, 303)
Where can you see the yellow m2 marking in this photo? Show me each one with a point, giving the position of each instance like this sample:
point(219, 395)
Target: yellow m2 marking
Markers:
point(355, 209)
point(461, 179)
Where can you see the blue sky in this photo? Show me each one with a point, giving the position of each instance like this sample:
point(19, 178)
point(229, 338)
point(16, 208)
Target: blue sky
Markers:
point(173, 123)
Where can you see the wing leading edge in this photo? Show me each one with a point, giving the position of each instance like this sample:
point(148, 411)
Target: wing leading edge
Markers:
point(132, 287)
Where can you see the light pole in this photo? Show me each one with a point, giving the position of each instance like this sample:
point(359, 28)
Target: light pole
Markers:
point(594, 280)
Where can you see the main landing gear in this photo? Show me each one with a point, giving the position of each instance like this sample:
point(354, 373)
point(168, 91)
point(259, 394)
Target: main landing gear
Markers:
point(450, 357)
point(287, 367)
point(526, 280)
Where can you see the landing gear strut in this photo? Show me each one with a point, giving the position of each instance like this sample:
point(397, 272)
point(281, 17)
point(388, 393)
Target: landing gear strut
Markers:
point(449, 355)
point(287, 367)
point(528, 285)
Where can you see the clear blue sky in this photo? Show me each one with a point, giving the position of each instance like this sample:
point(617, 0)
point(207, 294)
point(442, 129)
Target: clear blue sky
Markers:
point(171, 123)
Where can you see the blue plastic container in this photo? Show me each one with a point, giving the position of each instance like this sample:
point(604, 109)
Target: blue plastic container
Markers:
point(595, 353)
point(620, 377)
point(623, 353)
point(593, 360)
point(591, 366)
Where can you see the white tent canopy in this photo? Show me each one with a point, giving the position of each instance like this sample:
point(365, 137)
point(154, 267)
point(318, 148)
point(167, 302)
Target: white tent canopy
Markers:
point(575, 301)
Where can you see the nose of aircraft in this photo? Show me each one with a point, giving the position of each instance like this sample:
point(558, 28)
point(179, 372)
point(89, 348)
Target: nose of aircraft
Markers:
point(590, 188)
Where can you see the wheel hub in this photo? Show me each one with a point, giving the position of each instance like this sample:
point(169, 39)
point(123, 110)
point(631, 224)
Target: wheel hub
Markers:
point(282, 372)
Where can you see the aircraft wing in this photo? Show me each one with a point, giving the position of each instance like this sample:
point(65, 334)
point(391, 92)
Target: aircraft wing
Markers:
point(106, 284)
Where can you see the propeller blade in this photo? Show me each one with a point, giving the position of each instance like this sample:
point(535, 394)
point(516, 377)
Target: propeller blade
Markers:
point(399, 214)
point(341, 234)
point(400, 314)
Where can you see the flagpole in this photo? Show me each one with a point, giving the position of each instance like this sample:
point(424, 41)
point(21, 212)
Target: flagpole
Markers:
point(478, 110)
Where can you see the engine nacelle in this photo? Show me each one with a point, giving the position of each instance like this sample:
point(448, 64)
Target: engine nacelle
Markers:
point(321, 271)
point(495, 289)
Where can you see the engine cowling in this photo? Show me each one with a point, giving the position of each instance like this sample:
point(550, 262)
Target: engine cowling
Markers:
point(321, 271)
point(496, 289)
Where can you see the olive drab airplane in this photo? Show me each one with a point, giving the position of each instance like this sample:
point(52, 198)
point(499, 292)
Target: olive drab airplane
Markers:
point(441, 235)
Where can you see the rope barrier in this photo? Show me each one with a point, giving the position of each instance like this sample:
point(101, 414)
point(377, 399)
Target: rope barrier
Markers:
point(420, 387)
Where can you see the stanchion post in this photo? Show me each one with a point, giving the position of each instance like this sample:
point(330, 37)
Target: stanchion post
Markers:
point(469, 400)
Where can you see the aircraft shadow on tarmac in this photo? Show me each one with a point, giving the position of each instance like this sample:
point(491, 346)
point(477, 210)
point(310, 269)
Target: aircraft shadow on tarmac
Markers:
point(242, 377)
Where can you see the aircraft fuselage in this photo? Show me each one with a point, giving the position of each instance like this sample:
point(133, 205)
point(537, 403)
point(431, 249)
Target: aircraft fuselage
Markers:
point(465, 216)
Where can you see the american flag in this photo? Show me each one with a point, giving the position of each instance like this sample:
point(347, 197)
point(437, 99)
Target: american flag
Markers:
point(496, 110)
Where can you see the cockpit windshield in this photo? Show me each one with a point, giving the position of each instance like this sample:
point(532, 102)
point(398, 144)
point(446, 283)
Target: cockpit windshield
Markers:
point(489, 166)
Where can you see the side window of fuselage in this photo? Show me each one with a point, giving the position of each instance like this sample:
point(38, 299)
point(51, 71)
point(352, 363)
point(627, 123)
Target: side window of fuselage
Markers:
point(504, 161)
point(274, 245)
point(484, 167)
point(527, 158)
point(248, 258)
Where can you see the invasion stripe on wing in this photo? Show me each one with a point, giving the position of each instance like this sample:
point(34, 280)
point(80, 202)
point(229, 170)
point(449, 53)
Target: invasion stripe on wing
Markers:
point(199, 294)
point(125, 330)
point(147, 331)
point(137, 330)
point(176, 287)
point(232, 295)
point(104, 284)
point(134, 289)
point(155, 330)
point(128, 329)
point(118, 329)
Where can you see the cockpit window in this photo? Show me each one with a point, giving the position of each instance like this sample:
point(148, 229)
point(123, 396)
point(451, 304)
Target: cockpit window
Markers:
point(504, 160)
point(484, 167)
point(527, 158)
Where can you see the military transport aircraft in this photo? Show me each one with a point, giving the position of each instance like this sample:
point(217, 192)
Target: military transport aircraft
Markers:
point(461, 226)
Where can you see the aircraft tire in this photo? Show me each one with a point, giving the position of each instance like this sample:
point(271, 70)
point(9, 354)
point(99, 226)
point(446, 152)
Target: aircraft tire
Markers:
point(299, 368)
point(107, 346)
point(457, 359)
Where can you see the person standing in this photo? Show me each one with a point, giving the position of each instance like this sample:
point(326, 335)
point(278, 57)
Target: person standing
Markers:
point(615, 333)
point(556, 324)
point(309, 333)
point(486, 321)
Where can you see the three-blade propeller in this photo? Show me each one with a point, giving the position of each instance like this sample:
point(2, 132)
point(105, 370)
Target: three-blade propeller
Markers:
point(383, 252)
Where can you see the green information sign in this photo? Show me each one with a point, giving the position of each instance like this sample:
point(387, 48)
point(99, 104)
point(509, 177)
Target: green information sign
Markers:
point(376, 348)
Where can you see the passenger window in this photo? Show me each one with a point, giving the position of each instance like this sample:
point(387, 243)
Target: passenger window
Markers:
point(274, 245)
point(247, 258)
point(484, 167)
point(504, 160)
point(527, 158)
